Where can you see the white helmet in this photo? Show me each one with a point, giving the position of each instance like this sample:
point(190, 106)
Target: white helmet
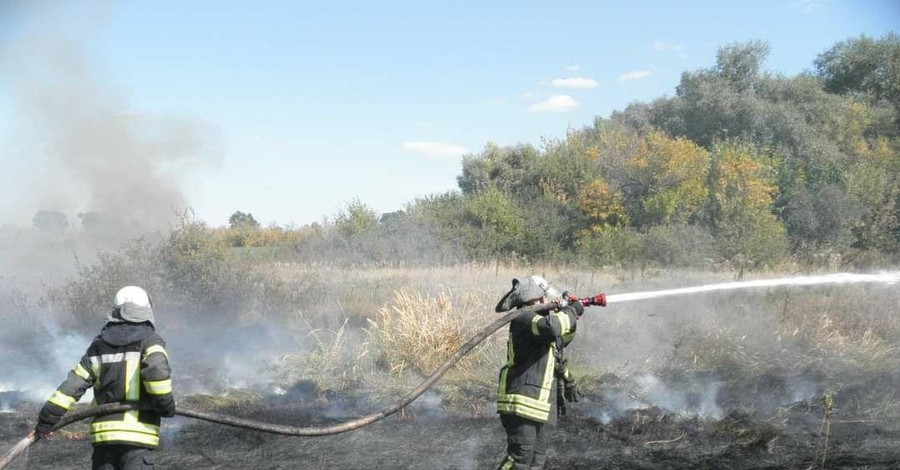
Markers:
point(133, 294)
point(133, 305)
point(526, 290)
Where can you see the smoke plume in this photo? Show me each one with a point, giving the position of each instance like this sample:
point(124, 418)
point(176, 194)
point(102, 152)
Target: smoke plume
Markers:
point(90, 170)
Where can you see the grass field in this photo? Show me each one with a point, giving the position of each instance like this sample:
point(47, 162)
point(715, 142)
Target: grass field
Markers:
point(779, 371)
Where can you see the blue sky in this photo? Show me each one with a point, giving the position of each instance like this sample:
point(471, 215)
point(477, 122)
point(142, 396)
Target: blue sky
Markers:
point(316, 104)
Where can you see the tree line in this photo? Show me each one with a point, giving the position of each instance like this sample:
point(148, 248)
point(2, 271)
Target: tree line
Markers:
point(742, 168)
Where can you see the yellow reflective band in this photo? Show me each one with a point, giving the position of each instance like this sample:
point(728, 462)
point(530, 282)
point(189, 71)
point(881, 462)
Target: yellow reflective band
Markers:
point(95, 368)
point(82, 372)
point(534, 325)
point(131, 416)
point(524, 401)
point(62, 400)
point(125, 436)
point(548, 375)
point(105, 426)
point(564, 325)
point(132, 380)
point(155, 349)
point(517, 409)
point(158, 387)
point(510, 356)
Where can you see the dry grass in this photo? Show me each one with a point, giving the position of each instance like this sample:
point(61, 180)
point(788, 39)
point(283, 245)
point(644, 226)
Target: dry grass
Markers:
point(417, 332)
point(378, 331)
point(382, 330)
point(334, 362)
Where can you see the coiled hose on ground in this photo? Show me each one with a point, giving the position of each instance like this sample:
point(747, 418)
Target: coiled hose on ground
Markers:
point(227, 420)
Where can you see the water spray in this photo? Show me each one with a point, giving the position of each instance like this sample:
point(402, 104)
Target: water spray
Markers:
point(888, 278)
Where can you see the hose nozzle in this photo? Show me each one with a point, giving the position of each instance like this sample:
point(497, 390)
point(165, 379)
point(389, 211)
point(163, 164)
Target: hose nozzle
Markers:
point(599, 300)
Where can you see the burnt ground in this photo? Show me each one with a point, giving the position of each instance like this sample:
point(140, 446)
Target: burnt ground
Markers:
point(652, 438)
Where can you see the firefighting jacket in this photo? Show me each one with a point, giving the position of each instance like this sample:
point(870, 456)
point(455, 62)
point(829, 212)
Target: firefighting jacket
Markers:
point(527, 385)
point(126, 363)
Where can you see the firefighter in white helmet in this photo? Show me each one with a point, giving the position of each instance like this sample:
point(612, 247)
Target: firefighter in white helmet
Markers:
point(126, 363)
point(528, 396)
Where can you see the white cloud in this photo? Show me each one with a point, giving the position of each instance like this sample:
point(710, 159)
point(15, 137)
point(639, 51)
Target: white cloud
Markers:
point(435, 149)
point(635, 75)
point(555, 104)
point(572, 68)
point(667, 47)
point(496, 101)
point(575, 83)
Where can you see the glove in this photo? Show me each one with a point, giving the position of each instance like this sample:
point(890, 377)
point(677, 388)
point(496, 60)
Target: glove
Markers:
point(567, 299)
point(579, 309)
point(46, 420)
point(43, 430)
point(570, 390)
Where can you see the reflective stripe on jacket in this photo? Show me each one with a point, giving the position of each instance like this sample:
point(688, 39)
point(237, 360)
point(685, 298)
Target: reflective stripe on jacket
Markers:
point(527, 386)
point(137, 372)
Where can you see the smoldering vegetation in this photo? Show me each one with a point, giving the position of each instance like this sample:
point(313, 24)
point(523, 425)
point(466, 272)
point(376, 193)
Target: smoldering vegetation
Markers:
point(328, 323)
point(767, 378)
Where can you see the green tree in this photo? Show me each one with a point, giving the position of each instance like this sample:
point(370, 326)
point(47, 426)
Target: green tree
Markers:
point(500, 223)
point(195, 265)
point(509, 169)
point(242, 220)
point(822, 219)
point(355, 220)
point(739, 64)
point(863, 65)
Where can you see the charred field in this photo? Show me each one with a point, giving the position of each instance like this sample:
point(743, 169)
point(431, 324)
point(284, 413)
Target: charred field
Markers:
point(651, 438)
point(777, 378)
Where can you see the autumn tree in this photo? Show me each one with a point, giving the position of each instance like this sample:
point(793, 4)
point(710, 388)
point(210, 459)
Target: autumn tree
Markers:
point(742, 193)
point(669, 179)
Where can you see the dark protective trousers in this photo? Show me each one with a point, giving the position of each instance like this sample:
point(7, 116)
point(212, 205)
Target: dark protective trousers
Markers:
point(526, 443)
point(122, 457)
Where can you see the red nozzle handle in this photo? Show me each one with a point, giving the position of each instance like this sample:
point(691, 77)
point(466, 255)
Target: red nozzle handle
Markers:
point(599, 299)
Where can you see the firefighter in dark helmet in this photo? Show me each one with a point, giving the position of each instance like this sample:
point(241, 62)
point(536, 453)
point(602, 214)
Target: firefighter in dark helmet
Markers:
point(528, 395)
point(126, 363)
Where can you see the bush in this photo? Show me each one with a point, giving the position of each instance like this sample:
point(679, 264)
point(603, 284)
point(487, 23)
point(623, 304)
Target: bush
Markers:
point(417, 333)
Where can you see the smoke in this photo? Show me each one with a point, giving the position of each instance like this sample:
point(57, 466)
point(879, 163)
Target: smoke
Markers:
point(79, 151)
point(695, 399)
point(720, 347)
point(84, 171)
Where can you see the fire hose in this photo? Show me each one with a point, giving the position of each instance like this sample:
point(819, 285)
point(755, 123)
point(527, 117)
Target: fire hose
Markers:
point(78, 415)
